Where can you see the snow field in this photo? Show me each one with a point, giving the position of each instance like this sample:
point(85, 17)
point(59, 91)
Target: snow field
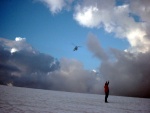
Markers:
point(26, 100)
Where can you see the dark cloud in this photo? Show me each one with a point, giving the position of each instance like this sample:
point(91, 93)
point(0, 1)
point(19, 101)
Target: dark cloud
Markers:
point(128, 73)
point(73, 77)
point(19, 68)
point(94, 46)
point(5, 73)
point(4, 54)
point(26, 67)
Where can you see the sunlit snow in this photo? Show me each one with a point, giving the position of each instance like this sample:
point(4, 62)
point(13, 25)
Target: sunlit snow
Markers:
point(25, 100)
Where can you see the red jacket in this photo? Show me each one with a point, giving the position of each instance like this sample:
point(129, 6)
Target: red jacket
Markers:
point(106, 88)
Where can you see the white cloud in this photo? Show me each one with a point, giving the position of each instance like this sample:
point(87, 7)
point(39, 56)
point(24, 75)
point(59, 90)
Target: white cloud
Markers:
point(93, 13)
point(56, 6)
point(13, 50)
point(138, 41)
point(113, 18)
point(116, 19)
point(94, 70)
point(86, 15)
point(20, 39)
point(17, 45)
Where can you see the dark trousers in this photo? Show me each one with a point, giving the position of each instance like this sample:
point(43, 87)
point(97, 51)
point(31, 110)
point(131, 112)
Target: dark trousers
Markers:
point(106, 96)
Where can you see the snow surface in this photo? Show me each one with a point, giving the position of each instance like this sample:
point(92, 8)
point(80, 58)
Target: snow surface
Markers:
point(26, 100)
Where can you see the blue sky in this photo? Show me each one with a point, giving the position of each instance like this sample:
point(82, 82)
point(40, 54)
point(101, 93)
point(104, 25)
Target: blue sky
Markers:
point(53, 34)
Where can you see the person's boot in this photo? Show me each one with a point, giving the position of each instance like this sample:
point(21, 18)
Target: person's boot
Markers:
point(105, 100)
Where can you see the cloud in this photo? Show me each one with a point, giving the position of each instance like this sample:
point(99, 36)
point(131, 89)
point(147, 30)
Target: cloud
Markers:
point(13, 50)
point(94, 13)
point(95, 47)
point(23, 62)
point(16, 45)
point(55, 6)
point(25, 68)
point(73, 77)
point(127, 72)
point(117, 19)
point(127, 19)
point(20, 39)
point(86, 15)
point(141, 8)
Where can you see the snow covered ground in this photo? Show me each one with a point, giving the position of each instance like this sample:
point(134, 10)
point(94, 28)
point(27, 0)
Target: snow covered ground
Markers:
point(26, 100)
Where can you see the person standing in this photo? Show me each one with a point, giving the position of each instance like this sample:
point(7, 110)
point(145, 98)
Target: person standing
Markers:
point(106, 90)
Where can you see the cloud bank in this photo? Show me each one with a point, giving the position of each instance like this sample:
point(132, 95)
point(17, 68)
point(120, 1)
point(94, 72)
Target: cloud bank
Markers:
point(127, 70)
point(128, 73)
point(27, 67)
point(20, 61)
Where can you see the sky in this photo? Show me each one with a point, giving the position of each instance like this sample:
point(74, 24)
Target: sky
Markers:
point(37, 38)
point(52, 30)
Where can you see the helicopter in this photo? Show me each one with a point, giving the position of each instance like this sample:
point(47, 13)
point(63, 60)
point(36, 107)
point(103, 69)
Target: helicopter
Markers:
point(76, 47)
